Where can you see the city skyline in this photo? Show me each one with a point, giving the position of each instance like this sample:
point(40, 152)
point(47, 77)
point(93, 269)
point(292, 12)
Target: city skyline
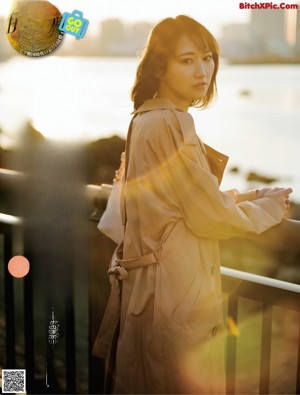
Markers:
point(271, 36)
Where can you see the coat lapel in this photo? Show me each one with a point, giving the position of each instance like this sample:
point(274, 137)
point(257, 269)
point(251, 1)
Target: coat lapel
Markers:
point(217, 162)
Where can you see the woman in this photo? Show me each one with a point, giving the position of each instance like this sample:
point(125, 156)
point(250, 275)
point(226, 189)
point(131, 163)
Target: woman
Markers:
point(170, 337)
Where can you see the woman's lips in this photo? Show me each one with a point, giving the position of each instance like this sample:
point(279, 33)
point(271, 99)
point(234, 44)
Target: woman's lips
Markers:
point(200, 85)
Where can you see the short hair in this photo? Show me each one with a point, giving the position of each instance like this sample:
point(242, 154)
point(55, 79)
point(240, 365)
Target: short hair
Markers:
point(161, 46)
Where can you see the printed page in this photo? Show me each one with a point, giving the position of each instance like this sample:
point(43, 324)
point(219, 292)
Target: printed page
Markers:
point(67, 72)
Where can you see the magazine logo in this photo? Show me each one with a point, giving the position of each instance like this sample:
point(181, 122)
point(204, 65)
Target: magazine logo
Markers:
point(74, 24)
point(32, 28)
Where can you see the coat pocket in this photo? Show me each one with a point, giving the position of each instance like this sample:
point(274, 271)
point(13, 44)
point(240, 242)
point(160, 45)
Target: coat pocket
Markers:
point(189, 301)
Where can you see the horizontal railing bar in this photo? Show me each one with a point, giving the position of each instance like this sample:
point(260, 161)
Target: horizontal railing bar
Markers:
point(10, 219)
point(258, 279)
point(7, 172)
point(104, 190)
point(7, 177)
point(225, 271)
point(284, 235)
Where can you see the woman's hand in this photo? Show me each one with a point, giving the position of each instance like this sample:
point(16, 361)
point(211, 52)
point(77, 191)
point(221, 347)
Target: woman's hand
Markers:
point(280, 194)
point(261, 192)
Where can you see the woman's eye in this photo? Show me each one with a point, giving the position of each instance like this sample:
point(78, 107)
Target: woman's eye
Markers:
point(187, 60)
point(208, 58)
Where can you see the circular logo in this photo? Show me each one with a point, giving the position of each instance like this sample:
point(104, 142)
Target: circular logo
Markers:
point(32, 28)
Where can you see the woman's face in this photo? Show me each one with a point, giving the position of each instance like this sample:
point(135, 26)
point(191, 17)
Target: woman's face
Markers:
point(188, 74)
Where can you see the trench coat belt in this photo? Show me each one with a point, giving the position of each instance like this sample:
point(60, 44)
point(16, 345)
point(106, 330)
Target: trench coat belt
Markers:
point(125, 265)
point(111, 316)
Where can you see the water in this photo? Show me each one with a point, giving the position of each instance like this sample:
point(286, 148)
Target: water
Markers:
point(88, 98)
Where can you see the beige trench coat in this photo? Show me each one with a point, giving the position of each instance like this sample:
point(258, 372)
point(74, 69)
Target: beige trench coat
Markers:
point(170, 336)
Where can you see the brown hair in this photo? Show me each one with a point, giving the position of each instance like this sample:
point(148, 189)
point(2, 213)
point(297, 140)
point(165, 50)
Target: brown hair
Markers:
point(160, 46)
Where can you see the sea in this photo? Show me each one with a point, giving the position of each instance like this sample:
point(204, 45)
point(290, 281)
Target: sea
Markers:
point(255, 119)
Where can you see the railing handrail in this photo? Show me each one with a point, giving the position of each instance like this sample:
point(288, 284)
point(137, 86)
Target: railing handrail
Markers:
point(10, 219)
point(9, 172)
point(285, 234)
point(225, 271)
point(259, 279)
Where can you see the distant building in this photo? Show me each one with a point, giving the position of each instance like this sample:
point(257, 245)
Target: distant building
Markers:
point(139, 34)
point(297, 38)
point(269, 30)
point(118, 39)
point(236, 41)
point(112, 37)
point(268, 24)
point(271, 36)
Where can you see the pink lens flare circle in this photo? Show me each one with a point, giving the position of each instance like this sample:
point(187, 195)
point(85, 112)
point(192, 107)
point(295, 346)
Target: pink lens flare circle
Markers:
point(18, 266)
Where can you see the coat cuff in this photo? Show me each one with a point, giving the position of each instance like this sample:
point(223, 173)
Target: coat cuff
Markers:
point(248, 195)
point(240, 197)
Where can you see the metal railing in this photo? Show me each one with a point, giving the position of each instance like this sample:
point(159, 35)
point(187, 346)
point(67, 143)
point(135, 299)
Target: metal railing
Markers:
point(7, 224)
point(265, 290)
point(270, 293)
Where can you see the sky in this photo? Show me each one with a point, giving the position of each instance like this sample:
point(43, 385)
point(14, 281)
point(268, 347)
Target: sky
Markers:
point(212, 13)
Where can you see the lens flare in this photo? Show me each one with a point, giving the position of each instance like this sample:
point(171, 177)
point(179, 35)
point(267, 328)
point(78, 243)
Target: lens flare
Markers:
point(232, 327)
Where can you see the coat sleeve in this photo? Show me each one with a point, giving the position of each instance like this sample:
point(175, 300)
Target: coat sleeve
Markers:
point(207, 211)
point(239, 197)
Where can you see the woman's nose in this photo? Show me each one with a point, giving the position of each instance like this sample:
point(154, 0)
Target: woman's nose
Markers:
point(200, 70)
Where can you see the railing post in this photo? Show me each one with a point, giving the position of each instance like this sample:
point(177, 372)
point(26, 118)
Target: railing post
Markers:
point(265, 353)
point(70, 337)
point(7, 231)
point(298, 365)
point(231, 347)
point(29, 327)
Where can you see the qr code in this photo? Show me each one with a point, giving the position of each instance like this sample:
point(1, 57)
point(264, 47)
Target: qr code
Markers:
point(13, 380)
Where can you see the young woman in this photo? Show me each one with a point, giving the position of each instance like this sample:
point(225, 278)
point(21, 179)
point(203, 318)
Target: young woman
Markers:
point(167, 272)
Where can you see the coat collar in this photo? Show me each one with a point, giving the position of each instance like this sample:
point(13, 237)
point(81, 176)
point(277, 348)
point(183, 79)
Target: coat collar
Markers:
point(216, 160)
point(158, 103)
